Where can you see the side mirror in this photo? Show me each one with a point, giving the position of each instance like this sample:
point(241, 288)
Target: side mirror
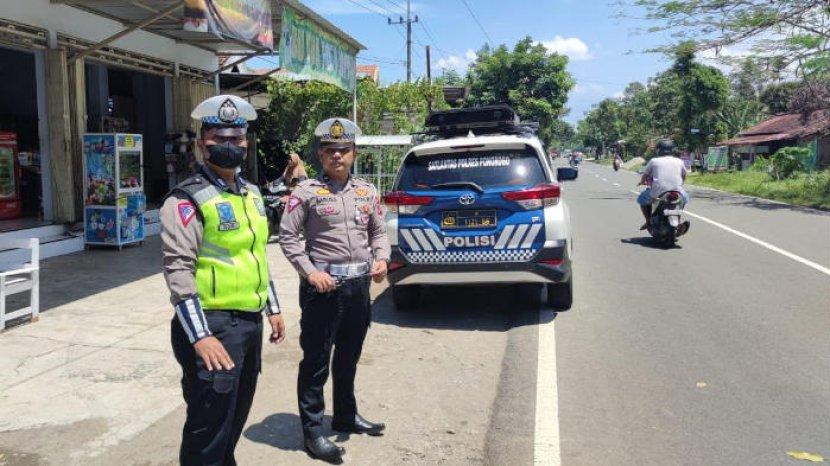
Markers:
point(566, 174)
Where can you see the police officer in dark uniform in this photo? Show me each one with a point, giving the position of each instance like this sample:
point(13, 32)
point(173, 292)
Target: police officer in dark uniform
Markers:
point(214, 232)
point(345, 245)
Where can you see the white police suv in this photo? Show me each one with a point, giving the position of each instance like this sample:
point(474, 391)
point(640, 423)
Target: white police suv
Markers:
point(478, 204)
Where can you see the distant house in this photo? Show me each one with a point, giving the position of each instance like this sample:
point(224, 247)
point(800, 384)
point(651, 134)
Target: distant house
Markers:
point(370, 71)
point(793, 129)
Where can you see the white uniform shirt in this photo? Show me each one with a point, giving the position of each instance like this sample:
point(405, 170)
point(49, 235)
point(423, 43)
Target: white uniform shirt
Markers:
point(666, 174)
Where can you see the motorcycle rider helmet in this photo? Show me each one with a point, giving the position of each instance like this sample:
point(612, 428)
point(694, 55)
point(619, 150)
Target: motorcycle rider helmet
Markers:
point(665, 147)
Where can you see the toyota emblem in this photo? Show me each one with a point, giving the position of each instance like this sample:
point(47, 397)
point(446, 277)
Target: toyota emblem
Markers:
point(467, 199)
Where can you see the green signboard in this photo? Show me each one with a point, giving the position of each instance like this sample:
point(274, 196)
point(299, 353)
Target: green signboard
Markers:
point(306, 49)
point(717, 158)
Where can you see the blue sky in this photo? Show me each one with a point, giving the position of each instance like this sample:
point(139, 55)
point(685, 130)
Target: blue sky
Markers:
point(605, 51)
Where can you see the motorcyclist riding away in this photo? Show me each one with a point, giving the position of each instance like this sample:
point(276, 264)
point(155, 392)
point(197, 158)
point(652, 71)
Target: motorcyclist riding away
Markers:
point(663, 173)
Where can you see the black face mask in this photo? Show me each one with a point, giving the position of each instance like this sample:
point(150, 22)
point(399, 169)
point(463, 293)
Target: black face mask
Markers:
point(226, 155)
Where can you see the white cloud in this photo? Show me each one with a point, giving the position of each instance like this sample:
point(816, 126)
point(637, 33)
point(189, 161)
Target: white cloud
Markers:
point(572, 47)
point(457, 62)
point(619, 95)
point(588, 89)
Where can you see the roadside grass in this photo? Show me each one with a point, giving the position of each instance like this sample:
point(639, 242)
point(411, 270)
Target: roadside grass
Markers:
point(805, 189)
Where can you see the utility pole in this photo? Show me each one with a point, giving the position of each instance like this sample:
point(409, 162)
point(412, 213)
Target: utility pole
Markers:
point(429, 80)
point(409, 20)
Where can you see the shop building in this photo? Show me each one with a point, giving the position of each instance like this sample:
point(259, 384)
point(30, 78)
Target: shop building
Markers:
point(71, 67)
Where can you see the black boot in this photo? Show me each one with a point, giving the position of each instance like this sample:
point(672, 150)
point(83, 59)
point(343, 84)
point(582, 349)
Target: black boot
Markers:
point(358, 426)
point(324, 449)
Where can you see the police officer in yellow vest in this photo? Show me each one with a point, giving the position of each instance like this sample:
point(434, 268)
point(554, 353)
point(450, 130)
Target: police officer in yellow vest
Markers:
point(345, 245)
point(214, 232)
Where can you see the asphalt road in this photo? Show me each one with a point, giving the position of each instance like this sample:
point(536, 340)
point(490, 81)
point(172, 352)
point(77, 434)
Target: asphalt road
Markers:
point(716, 352)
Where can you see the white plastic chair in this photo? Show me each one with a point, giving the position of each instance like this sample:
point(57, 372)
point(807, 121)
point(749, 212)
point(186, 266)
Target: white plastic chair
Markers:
point(17, 275)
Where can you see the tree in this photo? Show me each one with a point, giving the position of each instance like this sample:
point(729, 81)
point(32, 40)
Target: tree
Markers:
point(603, 126)
point(776, 97)
point(287, 125)
point(703, 91)
point(529, 78)
point(452, 78)
point(738, 114)
point(783, 32)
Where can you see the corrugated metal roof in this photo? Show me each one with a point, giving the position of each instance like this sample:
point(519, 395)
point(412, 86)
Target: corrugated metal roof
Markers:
point(133, 12)
point(782, 127)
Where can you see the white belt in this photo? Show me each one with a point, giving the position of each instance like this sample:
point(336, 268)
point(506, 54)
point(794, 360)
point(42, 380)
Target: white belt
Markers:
point(344, 270)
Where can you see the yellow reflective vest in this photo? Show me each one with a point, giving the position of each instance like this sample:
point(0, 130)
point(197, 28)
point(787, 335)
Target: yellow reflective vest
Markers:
point(231, 268)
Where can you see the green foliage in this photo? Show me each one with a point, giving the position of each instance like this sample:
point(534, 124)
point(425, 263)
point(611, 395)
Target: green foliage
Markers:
point(761, 164)
point(687, 96)
point(806, 189)
point(781, 32)
point(534, 82)
point(287, 125)
point(788, 161)
point(776, 97)
point(738, 114)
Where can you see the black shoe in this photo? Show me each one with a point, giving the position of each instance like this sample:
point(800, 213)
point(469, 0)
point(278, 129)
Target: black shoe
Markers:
point(324, 449)
point(359, 426)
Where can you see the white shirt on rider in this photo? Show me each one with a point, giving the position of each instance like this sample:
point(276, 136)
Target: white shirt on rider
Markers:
point(667, 174)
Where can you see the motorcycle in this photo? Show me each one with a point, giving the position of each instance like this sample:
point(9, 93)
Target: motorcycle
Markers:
point(666, 224)
point(574, 162)
point(275, 195)
point(617, 164)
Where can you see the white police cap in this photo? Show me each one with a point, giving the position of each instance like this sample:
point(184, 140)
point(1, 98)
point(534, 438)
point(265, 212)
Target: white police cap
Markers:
point(226, 112)
point(337, 130)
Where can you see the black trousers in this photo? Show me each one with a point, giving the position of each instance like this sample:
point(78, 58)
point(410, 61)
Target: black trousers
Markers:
point(218, 402)
point(339, 319)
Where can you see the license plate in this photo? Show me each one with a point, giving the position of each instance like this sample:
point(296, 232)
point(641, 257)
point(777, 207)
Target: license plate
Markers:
point(468, 219)
point(672, 212)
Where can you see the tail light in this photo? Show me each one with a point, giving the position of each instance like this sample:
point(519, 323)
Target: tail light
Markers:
point(400, 202)
point(393, 266)
point(537, 197)
point(673, 196)
point(553, 262)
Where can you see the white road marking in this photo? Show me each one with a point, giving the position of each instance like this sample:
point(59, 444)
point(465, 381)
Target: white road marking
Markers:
point(605, 179)
point(616, 184)
point(759, 242)
point(546, 449)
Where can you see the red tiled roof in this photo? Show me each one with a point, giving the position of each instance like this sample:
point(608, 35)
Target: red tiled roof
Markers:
point(781, 127)
point(373, 71)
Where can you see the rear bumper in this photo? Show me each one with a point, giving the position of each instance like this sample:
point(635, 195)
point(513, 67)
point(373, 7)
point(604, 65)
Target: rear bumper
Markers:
point(485, 273)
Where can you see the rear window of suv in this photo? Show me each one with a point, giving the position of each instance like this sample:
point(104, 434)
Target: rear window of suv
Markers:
point(492, 168)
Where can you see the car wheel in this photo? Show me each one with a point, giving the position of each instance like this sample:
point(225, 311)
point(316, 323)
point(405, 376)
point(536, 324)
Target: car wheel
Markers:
point(406, 297)
point(560, 295)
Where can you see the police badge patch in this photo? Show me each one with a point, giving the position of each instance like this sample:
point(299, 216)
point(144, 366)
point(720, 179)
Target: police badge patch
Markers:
point(227, 219)
point(187, 211)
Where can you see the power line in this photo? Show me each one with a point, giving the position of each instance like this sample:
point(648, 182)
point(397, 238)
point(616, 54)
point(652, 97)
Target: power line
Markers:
point(383, 8)
point(367, 8)
point(466, 5)
point(396, 4)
